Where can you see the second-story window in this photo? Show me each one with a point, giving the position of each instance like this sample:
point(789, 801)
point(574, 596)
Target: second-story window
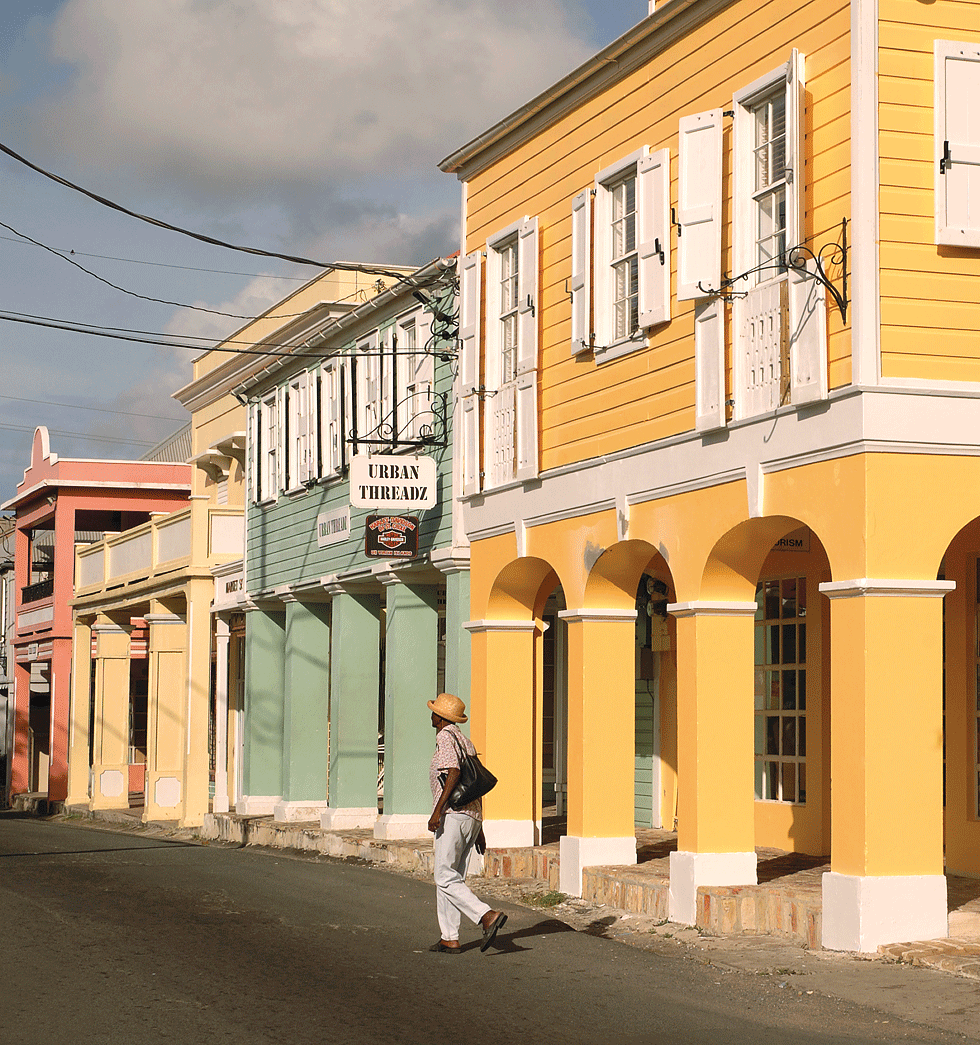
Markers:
point(297, 432)
point(769, 195)
point(269, 448)
point(507, 283)
point(414, 371)
point(624, 260)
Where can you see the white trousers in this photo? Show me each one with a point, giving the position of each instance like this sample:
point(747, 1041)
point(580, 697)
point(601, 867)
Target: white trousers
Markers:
point(452, 847)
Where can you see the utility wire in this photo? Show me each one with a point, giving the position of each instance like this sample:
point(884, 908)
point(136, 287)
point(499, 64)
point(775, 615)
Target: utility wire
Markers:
point(164, 264)
point(81, 435)
point(295, 259)
point(98, 409)
point(131, 293)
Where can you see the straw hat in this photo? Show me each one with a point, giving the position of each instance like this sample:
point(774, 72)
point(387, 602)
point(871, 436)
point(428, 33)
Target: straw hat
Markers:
point(449, 707)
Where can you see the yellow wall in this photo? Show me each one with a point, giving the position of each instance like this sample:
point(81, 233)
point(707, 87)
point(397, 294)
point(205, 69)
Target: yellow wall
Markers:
point(929, 307)
point(585, 410)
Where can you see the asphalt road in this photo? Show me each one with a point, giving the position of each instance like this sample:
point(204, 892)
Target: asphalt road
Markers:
point(113, 937)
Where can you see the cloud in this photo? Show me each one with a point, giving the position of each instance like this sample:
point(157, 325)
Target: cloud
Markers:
point(310, 91)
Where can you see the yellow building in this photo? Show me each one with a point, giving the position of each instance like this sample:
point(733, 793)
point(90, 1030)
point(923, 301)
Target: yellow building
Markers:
point(720, 388)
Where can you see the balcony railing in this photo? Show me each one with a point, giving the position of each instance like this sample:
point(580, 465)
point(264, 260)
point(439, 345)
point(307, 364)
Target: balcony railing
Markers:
point(37, 591)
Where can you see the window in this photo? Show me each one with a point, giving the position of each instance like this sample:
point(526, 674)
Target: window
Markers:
point(770, 185)
point(297, 433)
point(628, 260)
point(331, 426)
point(268, 450)
point(414, 372)
point(368, 391)
point(510, 406)
point(957, 143)
point(780, 690)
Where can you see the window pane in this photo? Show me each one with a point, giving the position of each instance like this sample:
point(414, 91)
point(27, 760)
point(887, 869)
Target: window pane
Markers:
point(789, 644)
point(772, 734)
point(801, 738)
point(772, 600)
point(801, 597)
point(789, 736)
point(789, 690)
point(772, 780)
point(773, 651)
point(759, 781)
point(801, 645)
point(759, 735)
point(760, 647)
point(789, 781)
point(789, 598)
point(801, 797)
point(775, 700)
point(758, 602)
point(760, 689)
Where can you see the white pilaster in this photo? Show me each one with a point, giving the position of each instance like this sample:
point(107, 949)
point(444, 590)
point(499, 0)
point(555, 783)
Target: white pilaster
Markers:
point(688, 871)
point(861, 913)
point(219, 803)
point(350, 819)
point(297, 812)
point(509, 834)
point(257, 805)
point(578, 853)
point(401, 825)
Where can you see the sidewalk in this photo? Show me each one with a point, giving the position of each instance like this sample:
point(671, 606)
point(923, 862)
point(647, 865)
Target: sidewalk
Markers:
point(786, 904)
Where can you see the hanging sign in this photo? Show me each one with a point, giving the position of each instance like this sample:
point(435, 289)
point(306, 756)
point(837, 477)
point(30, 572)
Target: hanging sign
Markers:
point(393, 483)
point(391, 537)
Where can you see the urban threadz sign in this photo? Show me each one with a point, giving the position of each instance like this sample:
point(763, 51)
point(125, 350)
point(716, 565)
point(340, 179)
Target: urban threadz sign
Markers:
point(393, 484)
point(391, 537)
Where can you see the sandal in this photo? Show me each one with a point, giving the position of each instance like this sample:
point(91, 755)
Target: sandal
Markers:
point(491, 930)
point(440, 948)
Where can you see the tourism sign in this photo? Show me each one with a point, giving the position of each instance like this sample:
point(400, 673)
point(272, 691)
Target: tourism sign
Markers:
point(392, 483)
point(391, 537)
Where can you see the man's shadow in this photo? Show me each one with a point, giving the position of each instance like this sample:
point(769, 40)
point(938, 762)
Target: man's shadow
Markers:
point(505, 943)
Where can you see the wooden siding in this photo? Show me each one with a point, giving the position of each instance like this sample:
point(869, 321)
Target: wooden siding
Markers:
point(930, 309)
point(587, 410)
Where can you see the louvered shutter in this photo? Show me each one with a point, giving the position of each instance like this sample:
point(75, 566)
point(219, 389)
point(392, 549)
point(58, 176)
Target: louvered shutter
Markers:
point(699, 205)
point(795, 156)
point(526, 422)
point(957, 144)
point(653, 197)
point(345, 410)
point(581, 285)
point(255, 450)
point(807, 337)
point(709, 364)
point(469, 369)
point(422, 367)
point(302, 438)
point(387, 376)
point(282, 435)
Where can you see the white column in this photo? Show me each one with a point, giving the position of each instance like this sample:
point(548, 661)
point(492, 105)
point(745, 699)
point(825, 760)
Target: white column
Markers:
point(220, 804)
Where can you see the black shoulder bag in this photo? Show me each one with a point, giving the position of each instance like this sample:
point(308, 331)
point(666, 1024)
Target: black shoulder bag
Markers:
point(475, 780)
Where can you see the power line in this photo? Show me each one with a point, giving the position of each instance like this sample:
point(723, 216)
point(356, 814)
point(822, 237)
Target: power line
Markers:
point(131, 293)
point(295, 259)
point(81, 435)
point(163, 264)
point(98, 409)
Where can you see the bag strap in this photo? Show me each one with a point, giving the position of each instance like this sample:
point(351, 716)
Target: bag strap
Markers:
point(461, 751)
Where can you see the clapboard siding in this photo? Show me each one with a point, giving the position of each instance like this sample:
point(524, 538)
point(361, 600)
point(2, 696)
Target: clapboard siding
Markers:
point(584, 409)
point(930, 312)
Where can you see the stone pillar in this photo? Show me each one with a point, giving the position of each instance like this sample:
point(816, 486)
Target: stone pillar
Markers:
point(503, 717)
point(222, 642)
point(411, 635)
point(110, 748)
point(354, 684)
point(457, 573)
point(81, 704)
point(265, 653)
point(601, 742)
point(885, 885)
point(715, 751)
point(167, 695)
point(305, 763)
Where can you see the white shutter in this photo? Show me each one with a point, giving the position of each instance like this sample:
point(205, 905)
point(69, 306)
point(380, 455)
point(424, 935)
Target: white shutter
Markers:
point(699, 205)
point(254, 430)
point(653, 203)
point(709, 364)
point(957, 144)
point(387, 375)
point(282, 424)
point(526, 426)
point(302, 437)
point(807, 337)
point(469, 371)
point(422, 367)
point(795, 156)
point(581, 285)
point(345, 410)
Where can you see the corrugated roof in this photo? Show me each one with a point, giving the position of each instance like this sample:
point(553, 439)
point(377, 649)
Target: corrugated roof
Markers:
point(175, 449)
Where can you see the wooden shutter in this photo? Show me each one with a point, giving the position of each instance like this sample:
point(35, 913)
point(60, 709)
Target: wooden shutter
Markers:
point(303, 415)
point(387, 376)
point(709, 364)
point(581, 285)
point(699, 205)
point(255, 455)
point(526, 424)
point(957, 143)
point(469, 371)
point(282, 434)
point(795, 155)
point(807, 337)
point(653, 203)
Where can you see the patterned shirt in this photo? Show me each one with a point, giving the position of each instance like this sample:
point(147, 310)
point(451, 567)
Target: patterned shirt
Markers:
point(446, 756)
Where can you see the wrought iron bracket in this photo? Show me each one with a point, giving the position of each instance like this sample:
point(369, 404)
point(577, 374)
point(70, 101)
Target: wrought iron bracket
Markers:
point(800, 258)
point(385, 435)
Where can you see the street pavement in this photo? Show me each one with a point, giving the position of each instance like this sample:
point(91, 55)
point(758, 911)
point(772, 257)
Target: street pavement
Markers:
point(118, 936)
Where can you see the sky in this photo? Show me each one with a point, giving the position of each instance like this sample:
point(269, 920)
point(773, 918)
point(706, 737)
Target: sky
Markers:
point(307, 127)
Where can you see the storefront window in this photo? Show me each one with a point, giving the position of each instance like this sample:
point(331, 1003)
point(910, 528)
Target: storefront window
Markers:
point(780, 690)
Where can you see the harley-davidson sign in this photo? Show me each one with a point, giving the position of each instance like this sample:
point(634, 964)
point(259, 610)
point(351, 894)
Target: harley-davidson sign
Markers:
point(391, 537)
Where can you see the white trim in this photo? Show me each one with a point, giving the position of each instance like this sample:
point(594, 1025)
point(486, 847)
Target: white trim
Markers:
point(481, 626)
point(865, 587)
point(712, 609)
point(350, 818)
point(587, 616)
point(575, 854)
point(297, 812)
point(689, 871)
point(571, 512)
point(731, 475)
point(257, 805)
point(401, 825)
point(864, 231)
point(509, 834)
point(862, 913)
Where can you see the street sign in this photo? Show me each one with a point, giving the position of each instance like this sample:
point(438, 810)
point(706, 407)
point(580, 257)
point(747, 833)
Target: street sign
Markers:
point(393, 483)
point(391, 537)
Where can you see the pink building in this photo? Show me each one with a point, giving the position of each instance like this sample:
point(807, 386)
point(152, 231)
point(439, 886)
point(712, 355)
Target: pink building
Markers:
point(59, 504)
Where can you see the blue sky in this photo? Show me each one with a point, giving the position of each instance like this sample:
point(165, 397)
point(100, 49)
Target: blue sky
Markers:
point(310, 127)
